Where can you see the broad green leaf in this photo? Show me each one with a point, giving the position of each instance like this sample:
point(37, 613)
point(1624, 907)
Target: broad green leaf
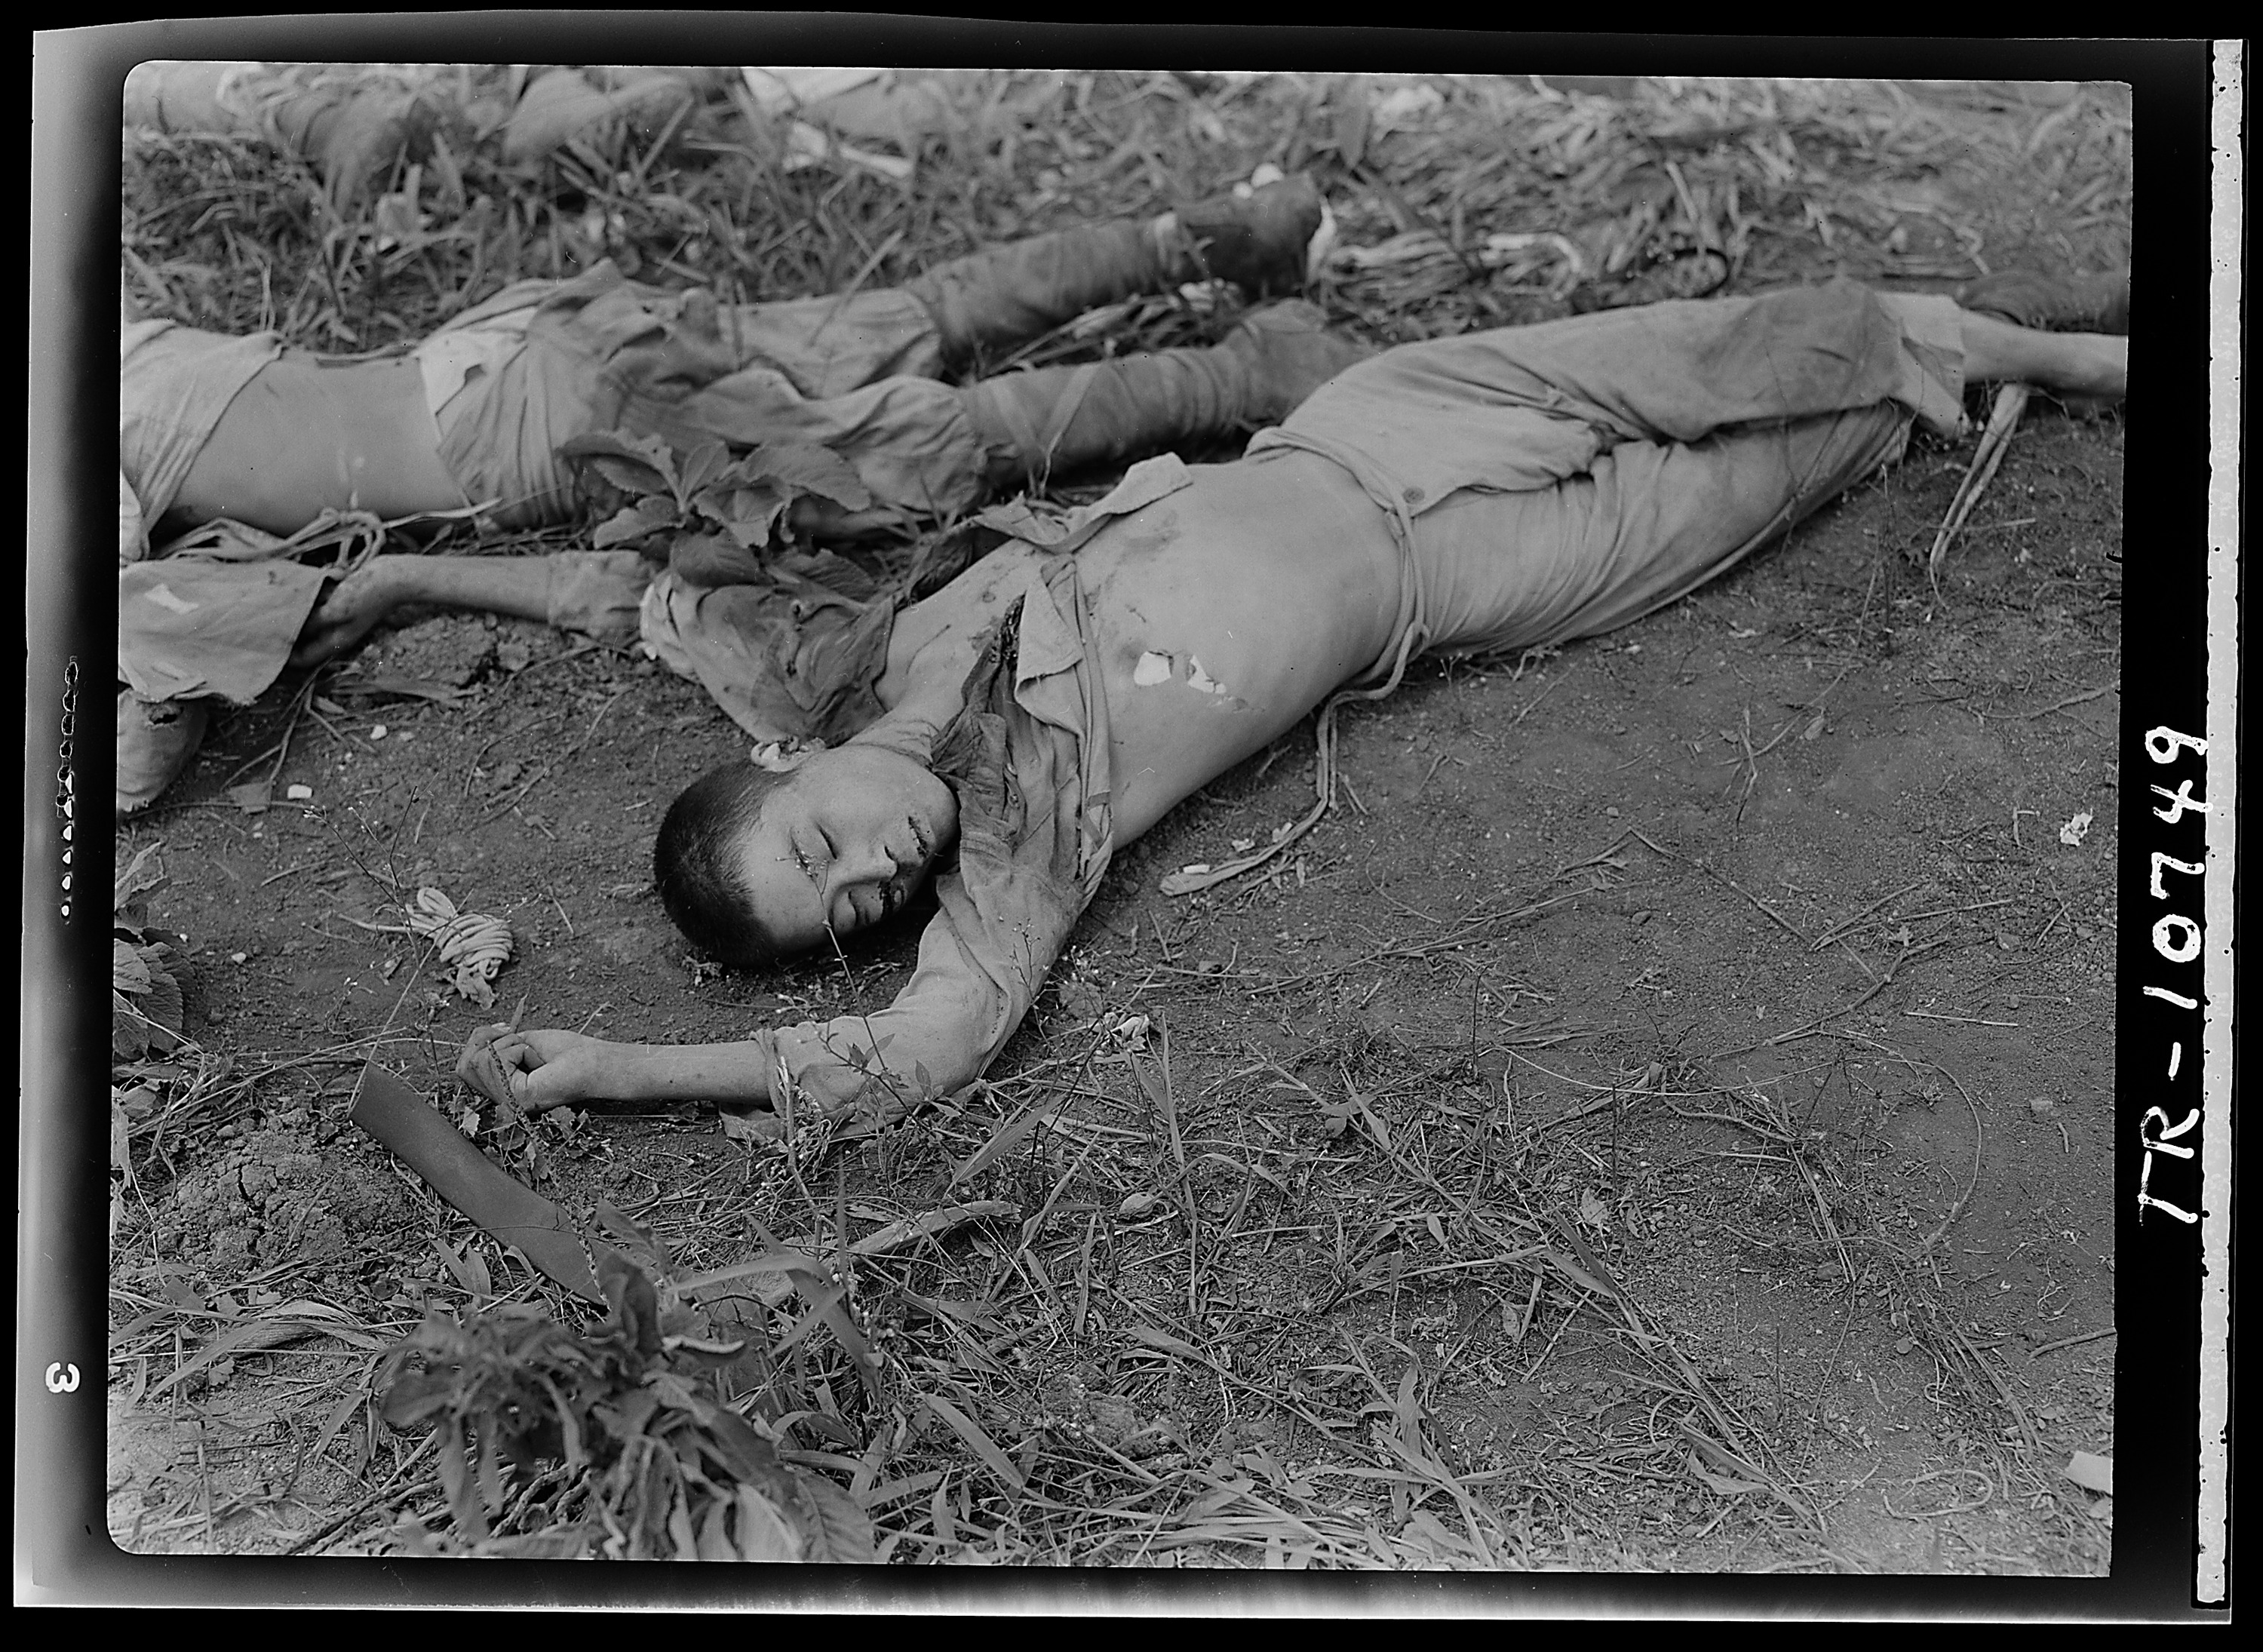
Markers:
point(737, 1450)
point(806, 468)
point(652, 514)
point(629, 1293)
point(414, 1397)
point(627, 1416)
point(679, 1531)
point(455, 1480)
point(636, 464)
point(764, 1533)
point(129, 1031)
point(129, 970)
point(490, 1463)
point(713, 560)
point(702, 466)
point(715, 1533)
point(736, 501)
point(755, 534)
point(138, 879)
point(836, 1530)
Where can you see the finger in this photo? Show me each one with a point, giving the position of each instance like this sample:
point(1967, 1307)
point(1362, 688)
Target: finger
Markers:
point(480, 1069)
point(467, 1058)
point(531, 1092)
point(317, 648)
point(327, 637)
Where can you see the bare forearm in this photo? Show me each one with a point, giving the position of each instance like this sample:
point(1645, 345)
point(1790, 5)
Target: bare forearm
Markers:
point(593, 591)
point(515, 585)
point(738, 1073)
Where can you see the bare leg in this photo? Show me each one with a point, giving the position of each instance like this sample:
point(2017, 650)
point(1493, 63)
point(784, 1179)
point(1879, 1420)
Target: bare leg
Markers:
point(2077, 364)
point(2080, 364)
point(2002, 352)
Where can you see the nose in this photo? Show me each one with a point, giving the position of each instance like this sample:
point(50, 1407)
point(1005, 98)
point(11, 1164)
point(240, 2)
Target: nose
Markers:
point(865, 863)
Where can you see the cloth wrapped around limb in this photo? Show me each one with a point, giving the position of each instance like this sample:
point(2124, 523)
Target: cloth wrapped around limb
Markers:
point(1019, 291)
point(1105, 413)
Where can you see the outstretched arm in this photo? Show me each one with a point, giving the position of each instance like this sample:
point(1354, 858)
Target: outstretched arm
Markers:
point(596, 592)
point(963, 1001)
point(548, 1068)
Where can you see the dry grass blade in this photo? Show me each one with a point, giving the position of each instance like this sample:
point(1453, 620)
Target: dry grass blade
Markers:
point(983, 1446)
point(2011, 402)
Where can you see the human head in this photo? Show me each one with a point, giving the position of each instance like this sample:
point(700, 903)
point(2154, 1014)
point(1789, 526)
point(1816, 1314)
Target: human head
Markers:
point(754, 864)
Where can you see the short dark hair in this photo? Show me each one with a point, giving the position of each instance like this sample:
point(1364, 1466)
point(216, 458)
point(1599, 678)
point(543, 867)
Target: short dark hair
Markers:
point(695, 861)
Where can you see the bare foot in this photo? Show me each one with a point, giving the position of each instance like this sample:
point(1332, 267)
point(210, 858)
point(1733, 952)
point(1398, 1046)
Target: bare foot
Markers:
point(346, 614)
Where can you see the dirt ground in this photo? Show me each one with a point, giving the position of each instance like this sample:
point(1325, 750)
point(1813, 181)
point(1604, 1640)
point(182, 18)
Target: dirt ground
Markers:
point(1928, 753)
point(1669, 1095)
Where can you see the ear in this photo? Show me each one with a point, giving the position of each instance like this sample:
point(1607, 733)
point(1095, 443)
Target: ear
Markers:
point(781, 756)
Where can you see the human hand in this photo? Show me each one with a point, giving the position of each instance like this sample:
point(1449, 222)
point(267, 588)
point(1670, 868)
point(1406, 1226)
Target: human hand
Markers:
point(535, 1071)
point(347, 612)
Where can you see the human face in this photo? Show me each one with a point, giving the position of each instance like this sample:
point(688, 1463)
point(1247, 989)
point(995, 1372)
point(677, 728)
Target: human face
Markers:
point(844, 843)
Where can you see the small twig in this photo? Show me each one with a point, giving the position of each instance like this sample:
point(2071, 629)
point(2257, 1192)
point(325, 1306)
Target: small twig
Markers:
point(281, 749)
point(1762, 1130)
point(532, 666)
point(2011, 1401)
point(380, 1494)
point(2071, 700)
point(1777, 918)
point(862, 275)
point(2068, 1341)
point(1967, 1020)
point(1535, 704)
point(1973, 1181)
point(2011, 401)
point(1806, 1028)
point(1836, 930)
point(1951, 911)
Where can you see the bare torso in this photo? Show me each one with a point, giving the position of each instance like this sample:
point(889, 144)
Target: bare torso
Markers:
point(308, 434)
point(1225, 612)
